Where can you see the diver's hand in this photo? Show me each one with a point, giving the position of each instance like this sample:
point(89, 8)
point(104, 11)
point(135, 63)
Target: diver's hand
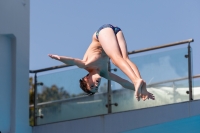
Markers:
point(56, 57)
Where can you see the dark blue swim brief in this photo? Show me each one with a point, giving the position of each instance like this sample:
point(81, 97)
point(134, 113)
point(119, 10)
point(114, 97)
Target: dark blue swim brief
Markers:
point(115, 29)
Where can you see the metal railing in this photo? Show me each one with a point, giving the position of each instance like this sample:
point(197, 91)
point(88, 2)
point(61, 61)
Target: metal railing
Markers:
point(109, 104)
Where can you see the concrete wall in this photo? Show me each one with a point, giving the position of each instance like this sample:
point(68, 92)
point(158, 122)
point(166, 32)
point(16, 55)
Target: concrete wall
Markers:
point(6, 70)
point(127, 121)
point(14, 66)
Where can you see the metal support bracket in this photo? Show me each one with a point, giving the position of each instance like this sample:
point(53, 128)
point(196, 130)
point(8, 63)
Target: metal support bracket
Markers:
point(116, 104)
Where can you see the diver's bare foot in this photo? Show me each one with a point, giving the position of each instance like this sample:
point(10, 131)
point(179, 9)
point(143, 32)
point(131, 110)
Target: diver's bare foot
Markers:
point(138, 85)
point(145, 94)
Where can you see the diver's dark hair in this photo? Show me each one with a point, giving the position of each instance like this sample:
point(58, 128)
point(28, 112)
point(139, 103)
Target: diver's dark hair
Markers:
point(83, 86)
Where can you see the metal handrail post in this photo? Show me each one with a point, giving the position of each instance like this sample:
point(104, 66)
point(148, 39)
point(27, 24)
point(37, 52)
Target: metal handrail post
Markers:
point(109, 91)
point(35, 99)
point(190, 72)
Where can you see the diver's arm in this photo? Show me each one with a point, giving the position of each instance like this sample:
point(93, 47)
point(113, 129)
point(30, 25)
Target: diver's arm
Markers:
point(69, 60)
point(124, 83)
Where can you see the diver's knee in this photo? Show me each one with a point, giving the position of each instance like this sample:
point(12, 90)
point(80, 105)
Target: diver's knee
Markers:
point(126, 58)
point(117, 60)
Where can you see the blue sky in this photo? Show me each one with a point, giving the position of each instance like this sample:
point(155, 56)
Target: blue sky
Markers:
point(65, 27)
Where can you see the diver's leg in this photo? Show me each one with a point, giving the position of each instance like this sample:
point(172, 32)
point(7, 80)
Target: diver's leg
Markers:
point(108, 40)
point(123, 49)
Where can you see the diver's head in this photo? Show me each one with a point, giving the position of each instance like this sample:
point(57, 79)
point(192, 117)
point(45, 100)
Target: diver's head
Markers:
point(90, 83)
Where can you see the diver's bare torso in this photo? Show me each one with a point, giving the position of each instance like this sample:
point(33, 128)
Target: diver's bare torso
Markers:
point(95, 57)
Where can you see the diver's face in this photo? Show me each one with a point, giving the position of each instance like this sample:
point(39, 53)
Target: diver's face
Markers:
point(93, 82)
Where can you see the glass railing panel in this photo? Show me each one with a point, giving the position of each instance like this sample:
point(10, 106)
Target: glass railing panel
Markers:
point(180, 91)
point(75, 108)
point(196, 88)
point(157, 68)
point(60, 97)
point(166, 93)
